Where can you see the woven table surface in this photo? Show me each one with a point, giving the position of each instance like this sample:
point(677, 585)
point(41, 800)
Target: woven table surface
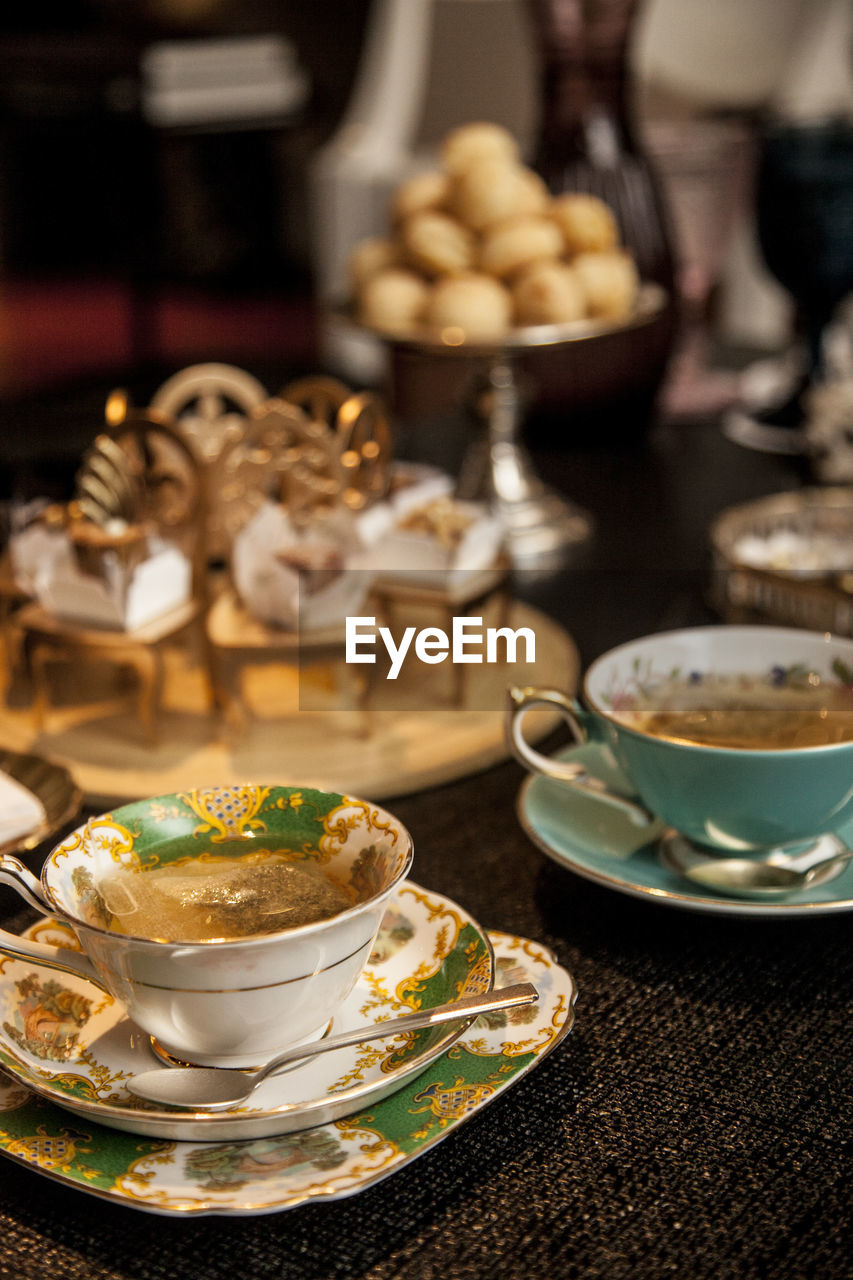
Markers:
point(695, 1123)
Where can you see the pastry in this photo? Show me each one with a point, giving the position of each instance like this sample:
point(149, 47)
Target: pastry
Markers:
point(480, 140)
point(490, 191)
point(393, 299)
point(586, 222)
point(436, 243)
point(423, 191)
point(549, 293)
point(534, 196)
point(511, 246)
point(480, 245)
point(609, 283)
point(369, 257)
point(474, 303)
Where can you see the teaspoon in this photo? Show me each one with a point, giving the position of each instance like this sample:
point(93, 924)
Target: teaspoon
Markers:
point(216, 1088)
point(742, 877)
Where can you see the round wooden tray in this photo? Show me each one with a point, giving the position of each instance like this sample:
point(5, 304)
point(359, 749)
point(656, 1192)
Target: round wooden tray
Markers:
point(376, 753)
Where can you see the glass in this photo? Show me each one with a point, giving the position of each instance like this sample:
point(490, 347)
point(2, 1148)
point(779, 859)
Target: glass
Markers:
point(804, 208)
point(705, 166)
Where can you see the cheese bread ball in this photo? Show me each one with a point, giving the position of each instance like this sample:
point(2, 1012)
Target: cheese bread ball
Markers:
point(474, 303)
point(370, 256)
point(437, 244)
point(423, 191)
point(534, 196)
point(586, 222)
point(490, 191)
point(511, 246)
point(478, 243)
point(393, 300)
point(549, 293)
point(609, 282)
point(480, 140)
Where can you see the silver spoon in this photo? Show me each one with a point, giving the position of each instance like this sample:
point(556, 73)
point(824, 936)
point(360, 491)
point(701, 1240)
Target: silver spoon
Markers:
point(742, 878)
point(215, 1088)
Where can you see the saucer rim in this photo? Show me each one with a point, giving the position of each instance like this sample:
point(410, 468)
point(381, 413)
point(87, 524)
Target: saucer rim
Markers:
point(500, 942)
point(272, 1121)
point(708, 903)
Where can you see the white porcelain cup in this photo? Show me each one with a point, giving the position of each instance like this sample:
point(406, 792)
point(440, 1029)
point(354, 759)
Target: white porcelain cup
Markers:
point(231, 1003)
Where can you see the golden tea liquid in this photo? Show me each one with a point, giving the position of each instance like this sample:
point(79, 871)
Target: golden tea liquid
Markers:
point(211, 899)
point(745, 712)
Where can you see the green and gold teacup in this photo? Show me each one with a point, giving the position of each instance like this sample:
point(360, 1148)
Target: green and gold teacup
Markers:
point(223, 979)
point(739, 737)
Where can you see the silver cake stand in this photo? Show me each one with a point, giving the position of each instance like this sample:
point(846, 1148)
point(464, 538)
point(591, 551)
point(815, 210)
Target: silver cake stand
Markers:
point(542, 526)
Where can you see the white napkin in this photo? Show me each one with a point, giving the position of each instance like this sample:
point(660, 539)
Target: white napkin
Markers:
point(20, 811)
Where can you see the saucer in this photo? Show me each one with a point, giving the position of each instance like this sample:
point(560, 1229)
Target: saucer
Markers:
point(268, 1174)
point(65, 1039)
point(600, 843)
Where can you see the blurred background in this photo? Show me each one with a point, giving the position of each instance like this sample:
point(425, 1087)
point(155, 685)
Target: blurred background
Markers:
point(181, 179)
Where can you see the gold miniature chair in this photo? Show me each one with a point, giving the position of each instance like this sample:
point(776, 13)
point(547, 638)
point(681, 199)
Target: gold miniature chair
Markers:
point(315, 446)
point(167, 481)
point(210, 405)
point(318, 396)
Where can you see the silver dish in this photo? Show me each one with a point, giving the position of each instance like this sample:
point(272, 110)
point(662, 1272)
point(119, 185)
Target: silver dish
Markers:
point(799, 595)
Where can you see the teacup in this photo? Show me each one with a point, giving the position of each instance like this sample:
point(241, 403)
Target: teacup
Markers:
point(233, 1002)
point(771, 794)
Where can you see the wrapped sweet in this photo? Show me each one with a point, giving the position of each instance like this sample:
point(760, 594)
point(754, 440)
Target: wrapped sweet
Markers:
point(433, 543)
point(119, 594)
point(97, 560)
point(290, 576)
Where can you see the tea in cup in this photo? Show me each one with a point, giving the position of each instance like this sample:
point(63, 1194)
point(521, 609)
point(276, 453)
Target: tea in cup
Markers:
point(230, 922)
point(739, 737)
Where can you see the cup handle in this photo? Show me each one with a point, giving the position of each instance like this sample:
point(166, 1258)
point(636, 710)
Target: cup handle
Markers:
point(573, 772)
point(18, 877)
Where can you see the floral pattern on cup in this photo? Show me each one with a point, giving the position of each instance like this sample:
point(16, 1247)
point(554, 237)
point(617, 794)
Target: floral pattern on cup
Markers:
point(643, 685)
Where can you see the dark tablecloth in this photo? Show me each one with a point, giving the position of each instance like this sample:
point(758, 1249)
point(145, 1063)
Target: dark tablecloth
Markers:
point(697, 1120)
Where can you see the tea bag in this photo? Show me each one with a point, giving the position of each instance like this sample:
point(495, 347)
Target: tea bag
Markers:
point(204, 901)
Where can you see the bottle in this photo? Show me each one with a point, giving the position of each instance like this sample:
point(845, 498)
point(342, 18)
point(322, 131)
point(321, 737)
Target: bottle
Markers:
point(587, 142)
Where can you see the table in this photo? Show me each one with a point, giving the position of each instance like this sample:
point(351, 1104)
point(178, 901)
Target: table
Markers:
point(695, 1123)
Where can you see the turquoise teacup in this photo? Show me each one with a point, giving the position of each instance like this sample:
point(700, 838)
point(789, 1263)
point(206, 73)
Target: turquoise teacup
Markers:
point(774, 792)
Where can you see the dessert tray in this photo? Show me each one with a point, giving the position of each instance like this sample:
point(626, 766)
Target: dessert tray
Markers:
point(318, 1131)
point(421, 736)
